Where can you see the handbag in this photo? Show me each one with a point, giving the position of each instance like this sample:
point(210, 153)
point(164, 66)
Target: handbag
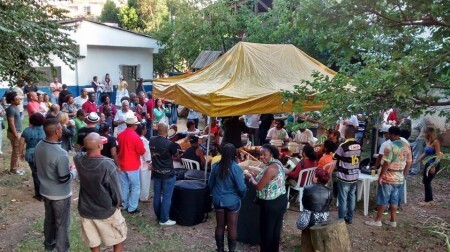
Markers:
point(303, 219)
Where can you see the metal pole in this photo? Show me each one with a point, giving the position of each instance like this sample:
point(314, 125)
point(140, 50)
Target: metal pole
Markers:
point(207, 147)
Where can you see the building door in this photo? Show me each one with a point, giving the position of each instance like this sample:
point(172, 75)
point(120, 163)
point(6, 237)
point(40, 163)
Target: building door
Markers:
point(130, 75)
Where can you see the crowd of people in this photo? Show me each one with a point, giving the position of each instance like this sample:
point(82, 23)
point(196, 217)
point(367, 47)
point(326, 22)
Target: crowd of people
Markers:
point(120, 147)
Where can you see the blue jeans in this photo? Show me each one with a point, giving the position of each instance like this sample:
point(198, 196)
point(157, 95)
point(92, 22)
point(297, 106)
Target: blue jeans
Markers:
point(347, 199)
point(162, 198)
point(388, 194)
point(418, 147)
point(131, 188)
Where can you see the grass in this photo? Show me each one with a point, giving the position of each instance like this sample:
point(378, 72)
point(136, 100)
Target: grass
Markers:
point(159, 239)
point(35, 236)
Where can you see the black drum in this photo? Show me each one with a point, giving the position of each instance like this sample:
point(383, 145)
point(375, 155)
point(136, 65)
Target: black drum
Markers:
point(190, 201)
point(248, 222)
point(196, 175)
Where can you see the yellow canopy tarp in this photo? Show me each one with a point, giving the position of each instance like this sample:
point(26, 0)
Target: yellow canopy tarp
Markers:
point(245, 80)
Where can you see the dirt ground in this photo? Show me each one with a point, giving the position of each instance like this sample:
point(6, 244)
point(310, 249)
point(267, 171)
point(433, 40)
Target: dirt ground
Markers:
point(420, 228)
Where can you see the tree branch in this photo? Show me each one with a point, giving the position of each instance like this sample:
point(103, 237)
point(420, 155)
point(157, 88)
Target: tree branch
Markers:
point(428, 21)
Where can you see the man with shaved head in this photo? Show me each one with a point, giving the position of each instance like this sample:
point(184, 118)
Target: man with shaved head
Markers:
point(53, 112)
point(162, 151)
point(100, 199)
point(55, 175)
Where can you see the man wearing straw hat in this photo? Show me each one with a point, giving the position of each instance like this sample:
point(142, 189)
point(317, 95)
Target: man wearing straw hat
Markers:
point(130, 150)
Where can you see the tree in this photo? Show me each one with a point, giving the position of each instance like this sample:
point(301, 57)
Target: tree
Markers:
point(388, 54)
point(30, 35)
point(128, 18)
point(110, 12)
point(152, 13)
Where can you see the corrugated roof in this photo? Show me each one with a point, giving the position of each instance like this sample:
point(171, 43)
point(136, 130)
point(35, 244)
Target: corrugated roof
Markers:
point(205, 58)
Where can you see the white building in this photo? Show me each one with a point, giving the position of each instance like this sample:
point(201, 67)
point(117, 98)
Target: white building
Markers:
point(105, 49)
point(82, 8)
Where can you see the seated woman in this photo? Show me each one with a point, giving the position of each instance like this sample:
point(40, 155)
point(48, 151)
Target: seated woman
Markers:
point(191, 130)
point(194, 152)
point(308, 161)
point(328, 147)
point(316, 201)
point(335, 136)
point(278, 132)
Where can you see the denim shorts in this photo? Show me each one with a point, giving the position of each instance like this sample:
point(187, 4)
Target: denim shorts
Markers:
point(388, 194)
point(233, 208)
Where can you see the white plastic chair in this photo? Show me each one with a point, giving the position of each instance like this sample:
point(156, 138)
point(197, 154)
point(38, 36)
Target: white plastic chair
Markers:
point(190, 164)
point(329, 167)
point(309, 175)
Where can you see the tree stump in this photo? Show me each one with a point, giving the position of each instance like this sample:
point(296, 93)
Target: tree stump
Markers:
point(306, 244)
point(330, 237)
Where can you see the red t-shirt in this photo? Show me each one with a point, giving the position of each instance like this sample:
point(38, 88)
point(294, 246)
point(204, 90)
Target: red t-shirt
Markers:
point(150, 104)
point(130, 150)
point(89, 107)
point(33, 107)
point(303, 164)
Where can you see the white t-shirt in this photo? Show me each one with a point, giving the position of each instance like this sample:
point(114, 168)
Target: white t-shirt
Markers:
point(57, 87)
point(304, 137)
point(122, 116)
point(275, 134)
point(252, 120)
point(146, 157)
point(80, 100)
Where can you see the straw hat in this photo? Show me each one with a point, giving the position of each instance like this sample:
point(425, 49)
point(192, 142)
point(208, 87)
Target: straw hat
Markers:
point(93, 117)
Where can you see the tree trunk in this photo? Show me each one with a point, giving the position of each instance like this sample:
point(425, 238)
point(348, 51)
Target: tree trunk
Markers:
point(306, 245)
point(330, 237)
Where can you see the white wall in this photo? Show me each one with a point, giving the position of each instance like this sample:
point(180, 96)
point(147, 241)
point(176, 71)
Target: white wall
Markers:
point(102, 60)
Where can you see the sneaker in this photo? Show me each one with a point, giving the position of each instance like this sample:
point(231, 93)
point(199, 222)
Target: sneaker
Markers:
point(349, 222)
point(373, 223)
point(136, 211)
point(17, 172)
point(168, 223)
point(392, 224)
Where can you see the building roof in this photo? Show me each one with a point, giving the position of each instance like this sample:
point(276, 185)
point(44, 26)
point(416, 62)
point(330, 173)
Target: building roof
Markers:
point(205, 58)
point(76, 20)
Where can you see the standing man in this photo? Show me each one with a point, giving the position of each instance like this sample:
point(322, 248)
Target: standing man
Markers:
point(100, 200)
point(19, 90)
point(150, 104)
point(162, 151)
point(347, 166)
point(55, 175)
point(122, 115)
point(55, 87)
point(252, 123)
point(267, 121)
point(90, 105)
point(29, 87)
point(62, 95)
point(80, 100)
point(98, 88)
point(91, 126)
point(418, 143)
point(14, 130)
point(130, 150)
point(397, 160)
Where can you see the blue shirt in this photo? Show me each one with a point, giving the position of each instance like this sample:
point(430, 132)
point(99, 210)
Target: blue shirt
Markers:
point(32, 136)
point(229, 190)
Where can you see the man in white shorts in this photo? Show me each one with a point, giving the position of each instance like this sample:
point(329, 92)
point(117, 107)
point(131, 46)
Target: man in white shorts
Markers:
point(100, 201)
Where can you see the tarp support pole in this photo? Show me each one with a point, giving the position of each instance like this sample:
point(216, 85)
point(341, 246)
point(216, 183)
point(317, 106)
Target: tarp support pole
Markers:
point(207, 147)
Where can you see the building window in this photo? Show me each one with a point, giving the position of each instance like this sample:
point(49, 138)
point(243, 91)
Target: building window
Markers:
point(87, 10)
point(48, 76)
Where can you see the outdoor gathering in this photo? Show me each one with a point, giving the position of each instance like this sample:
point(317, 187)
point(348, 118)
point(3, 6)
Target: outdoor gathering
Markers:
point(213, 125)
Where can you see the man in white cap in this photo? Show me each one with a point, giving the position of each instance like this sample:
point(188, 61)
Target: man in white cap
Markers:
point(121, 116)
point(91, 123)
point(130, 150)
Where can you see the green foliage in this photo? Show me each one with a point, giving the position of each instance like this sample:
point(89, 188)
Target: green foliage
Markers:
point(29, 34)
point(388, 54)
point(110, 12)
point(128, 18)
point(152, 13)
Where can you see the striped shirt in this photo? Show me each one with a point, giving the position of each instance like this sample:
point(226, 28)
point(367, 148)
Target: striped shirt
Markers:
point(347, 156)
